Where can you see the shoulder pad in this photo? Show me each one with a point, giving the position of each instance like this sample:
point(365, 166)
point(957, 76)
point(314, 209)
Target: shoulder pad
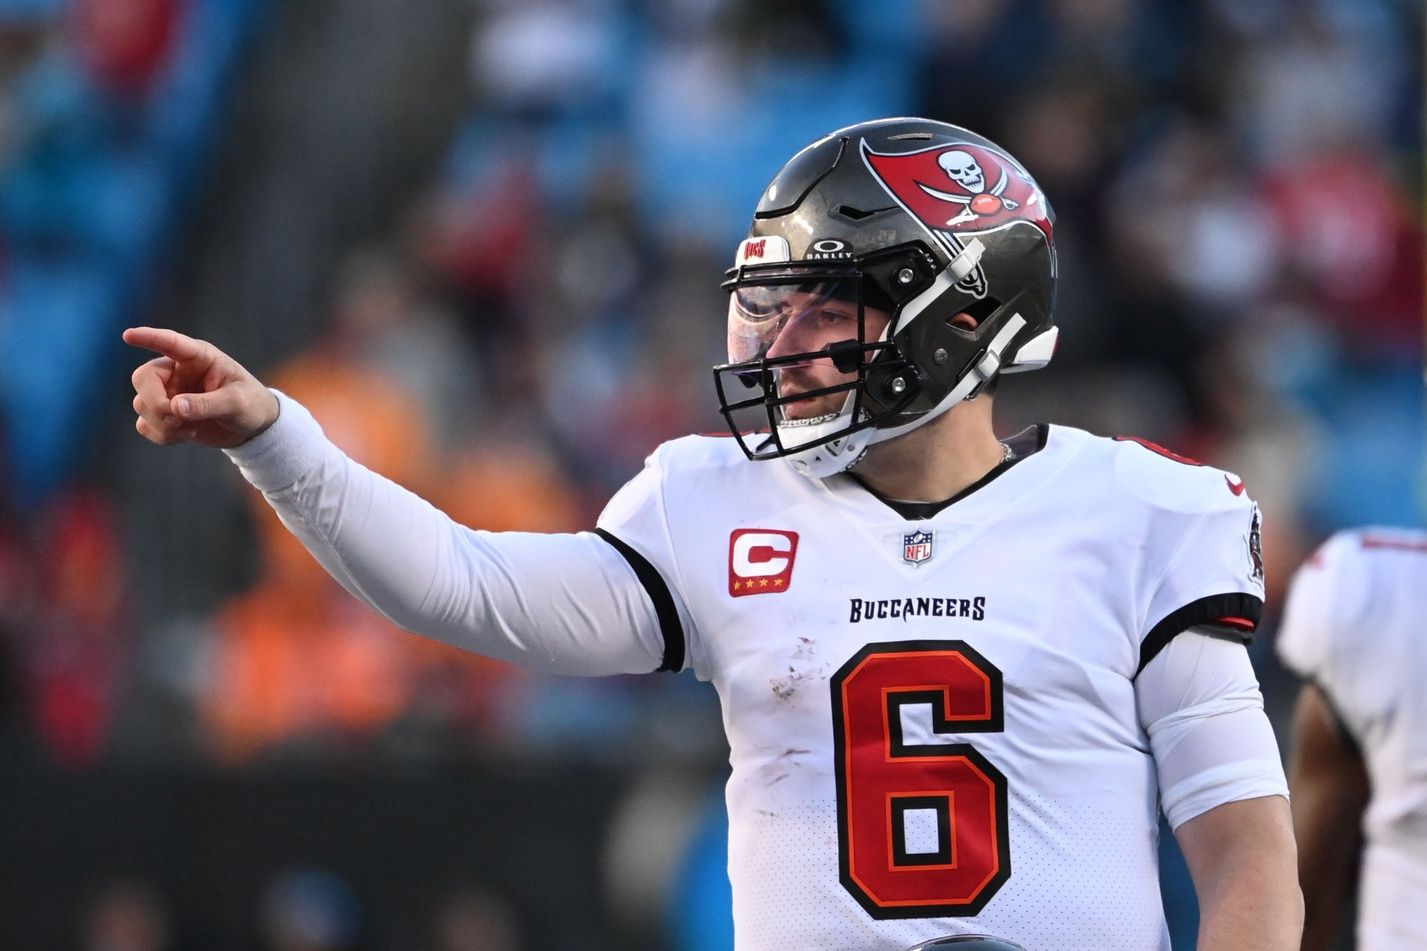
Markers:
point(1167, 480)
point(699, 451)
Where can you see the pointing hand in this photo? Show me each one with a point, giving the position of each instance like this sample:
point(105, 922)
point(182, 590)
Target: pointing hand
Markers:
point(194, 392)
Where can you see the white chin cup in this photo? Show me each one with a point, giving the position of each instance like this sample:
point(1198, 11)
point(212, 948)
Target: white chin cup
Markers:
point(827, 458)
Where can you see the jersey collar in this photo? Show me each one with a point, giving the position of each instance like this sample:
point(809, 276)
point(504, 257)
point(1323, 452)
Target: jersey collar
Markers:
point(1027, 442)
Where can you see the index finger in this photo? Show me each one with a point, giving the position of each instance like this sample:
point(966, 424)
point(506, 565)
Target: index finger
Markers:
point(170, 343)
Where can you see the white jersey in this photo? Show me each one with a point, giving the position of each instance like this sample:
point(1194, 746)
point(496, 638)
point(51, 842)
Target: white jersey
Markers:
point(938, 725)
point(1355, 625)
point(933, 722)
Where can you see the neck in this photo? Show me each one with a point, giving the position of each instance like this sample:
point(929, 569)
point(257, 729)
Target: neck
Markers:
point(936, 461)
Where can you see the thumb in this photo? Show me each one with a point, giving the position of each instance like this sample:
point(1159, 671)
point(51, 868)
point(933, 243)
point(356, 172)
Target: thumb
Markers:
point(201, 407)
point(242, 409)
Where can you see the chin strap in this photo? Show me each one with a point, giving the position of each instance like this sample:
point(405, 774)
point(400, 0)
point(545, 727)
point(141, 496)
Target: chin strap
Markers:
point(980, 372)
point(965, 262)
point(989, 363)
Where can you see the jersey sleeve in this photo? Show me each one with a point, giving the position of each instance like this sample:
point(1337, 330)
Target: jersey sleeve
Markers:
point(635, 523)
point(566, 604)
point(1200, 705)
point(1321, 600)
point(1209, 570)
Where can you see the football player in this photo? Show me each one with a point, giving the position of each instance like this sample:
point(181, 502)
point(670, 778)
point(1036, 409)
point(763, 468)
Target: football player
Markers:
point(960, 674)
point(1353, 630)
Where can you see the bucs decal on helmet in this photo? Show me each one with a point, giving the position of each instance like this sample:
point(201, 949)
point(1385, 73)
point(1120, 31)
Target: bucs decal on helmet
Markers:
point(958, 190)
point(769, 250)
point(963, 189)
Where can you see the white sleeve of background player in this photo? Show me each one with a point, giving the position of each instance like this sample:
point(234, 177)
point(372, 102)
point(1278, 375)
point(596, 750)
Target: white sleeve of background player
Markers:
point(558, 603)
point(1322, 599)
point(1212, 574)
point(1200, 704)
point(636, 523)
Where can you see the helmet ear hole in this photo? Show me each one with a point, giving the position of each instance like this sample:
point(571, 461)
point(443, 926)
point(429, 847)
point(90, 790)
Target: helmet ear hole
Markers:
point(981, 309)
point(970, 318)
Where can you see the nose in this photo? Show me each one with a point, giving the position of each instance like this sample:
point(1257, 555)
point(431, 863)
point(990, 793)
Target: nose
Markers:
point(794, 336)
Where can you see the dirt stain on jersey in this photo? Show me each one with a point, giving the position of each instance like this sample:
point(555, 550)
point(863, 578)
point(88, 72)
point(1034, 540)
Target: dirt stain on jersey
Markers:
point(785, 687)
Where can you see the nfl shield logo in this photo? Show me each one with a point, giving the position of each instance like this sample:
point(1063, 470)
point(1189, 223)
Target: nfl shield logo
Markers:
point(916, 547)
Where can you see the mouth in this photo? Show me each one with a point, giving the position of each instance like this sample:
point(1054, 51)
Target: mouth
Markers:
point(795, 421)
point(799, 408)
point(796, 401)
point(806, 400)
point(806, 411)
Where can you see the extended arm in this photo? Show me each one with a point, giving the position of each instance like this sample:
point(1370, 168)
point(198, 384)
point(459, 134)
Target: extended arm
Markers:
point(559, 603)
point(1330, 791)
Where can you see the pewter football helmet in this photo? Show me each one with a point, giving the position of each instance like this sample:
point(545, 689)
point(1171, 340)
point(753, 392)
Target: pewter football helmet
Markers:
point(918, 218)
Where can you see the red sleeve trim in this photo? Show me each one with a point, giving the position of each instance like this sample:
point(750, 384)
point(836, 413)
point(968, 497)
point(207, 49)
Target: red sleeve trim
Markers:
point(1234, 609)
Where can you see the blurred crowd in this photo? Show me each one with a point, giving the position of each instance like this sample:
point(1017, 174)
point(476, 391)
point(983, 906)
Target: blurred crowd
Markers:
point(528, 310)
point(299, 909)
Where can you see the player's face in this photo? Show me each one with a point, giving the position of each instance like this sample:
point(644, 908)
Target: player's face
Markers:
point(784, 321)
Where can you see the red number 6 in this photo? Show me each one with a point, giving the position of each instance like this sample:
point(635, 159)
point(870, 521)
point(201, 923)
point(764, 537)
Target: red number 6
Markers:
point(885, 781)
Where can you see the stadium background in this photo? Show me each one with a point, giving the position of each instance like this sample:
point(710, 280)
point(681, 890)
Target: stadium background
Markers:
point(482, 238)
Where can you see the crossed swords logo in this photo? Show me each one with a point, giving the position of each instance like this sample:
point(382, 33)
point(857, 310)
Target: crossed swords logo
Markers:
point(962, 168)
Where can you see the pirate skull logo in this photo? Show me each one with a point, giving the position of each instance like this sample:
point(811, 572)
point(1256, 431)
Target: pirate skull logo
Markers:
point(962, 168)
point(977, 200)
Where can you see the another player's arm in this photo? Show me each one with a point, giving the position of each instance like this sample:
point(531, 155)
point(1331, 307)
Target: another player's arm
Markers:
point(1330, 790)
point(561, 603)
point(1329, 778)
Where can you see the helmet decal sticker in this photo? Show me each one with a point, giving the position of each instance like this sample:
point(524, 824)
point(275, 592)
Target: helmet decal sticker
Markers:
point(828, 249)
point(961, 189)
point(768, 250)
